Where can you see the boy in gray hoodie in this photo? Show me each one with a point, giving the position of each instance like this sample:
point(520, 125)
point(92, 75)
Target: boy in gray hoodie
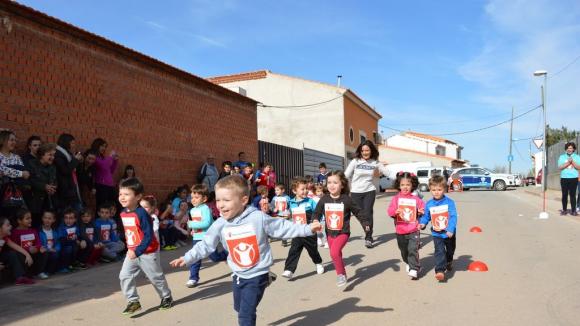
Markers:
point(244, 231)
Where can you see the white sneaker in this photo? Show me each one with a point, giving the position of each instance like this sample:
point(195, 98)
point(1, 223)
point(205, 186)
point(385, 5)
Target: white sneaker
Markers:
point(191, 283)
point(319, 269)
point(341, 280)
point(42, 276)
point(326, 245)
point(319, 242)
point(407, 268)
point(287, 274)
point(413, 274)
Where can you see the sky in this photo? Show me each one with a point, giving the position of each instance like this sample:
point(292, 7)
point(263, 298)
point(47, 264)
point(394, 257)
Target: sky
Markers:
point(435, 67)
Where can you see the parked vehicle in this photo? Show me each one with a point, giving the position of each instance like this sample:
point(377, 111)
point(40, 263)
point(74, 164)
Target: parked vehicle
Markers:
point(530, 181)
point(539, 177)
point(425, 173)
point(517, 180)
point(386, 183)
point(483, 178)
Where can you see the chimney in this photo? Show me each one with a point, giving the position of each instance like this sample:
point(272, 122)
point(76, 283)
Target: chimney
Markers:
point(338, 80)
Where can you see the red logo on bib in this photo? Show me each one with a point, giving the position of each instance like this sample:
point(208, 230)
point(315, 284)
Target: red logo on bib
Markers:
point(243, 245)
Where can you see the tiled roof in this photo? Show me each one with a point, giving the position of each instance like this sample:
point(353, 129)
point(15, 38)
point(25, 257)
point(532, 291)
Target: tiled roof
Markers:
point(426, 136)
point(41, 18)
point(239, 77)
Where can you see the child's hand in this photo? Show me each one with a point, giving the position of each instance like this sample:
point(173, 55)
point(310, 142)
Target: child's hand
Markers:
point(83, 244)
point(422, 226)
point(421, 211)
point(399, 212)
point(179, 262)
point(449, 234)
point(315, 226)
point(28, 260)
point(32, 250)
point(131, 254)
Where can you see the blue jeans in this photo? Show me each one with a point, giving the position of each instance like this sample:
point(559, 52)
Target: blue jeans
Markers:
point(444, 250)
point(247, 295)
point(215, 256)
point(68, 254)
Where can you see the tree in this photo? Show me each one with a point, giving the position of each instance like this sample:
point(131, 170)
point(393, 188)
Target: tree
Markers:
point(500, 169)
point(555, 136)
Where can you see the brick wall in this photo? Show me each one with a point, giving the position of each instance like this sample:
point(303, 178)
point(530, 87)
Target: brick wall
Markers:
point(56, 78)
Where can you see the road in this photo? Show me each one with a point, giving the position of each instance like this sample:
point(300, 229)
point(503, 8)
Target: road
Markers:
point(532, 280)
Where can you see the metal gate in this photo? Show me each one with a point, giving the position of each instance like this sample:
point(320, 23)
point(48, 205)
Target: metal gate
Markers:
point(288, 162)
point(312, 158)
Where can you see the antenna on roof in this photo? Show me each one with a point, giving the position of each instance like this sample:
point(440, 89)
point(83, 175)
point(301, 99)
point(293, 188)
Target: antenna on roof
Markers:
point(338, 78)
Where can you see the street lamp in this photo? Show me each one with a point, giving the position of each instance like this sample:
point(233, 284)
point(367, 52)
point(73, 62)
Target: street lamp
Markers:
point(539, 73)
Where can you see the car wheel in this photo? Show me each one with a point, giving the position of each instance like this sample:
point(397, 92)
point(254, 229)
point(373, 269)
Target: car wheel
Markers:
point(499, 185)
point(423, 187)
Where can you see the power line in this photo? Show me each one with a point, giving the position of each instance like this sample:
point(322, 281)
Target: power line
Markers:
point(299, 106)
point(474, 130)
point(566, 66)
point(458, 121)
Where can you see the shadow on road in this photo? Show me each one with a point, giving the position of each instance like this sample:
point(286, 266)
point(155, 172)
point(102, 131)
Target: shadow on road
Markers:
point(328, 315)
point(366, 273)
point(460, 264)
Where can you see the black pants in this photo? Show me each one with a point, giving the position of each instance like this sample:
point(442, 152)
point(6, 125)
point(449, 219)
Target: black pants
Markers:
point(569, 186)
point(105, 194)
point(444, 250)
point(366, 202)
point(38, 263)
point(13, 262)
point(409, 247)
point(296, 249)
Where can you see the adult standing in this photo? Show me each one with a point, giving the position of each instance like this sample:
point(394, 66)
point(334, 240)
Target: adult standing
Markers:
point(569, 164)
point(86, 173)
point(67, 161)
point(44, 183)
point(361, 171)
point(209, 174)
point(32, 145)
point(105, 167)
point(12, 173)
point(241, 162)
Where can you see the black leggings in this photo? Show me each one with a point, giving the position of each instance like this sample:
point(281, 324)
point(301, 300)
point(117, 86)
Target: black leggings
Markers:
point(366, 202)
point(569, 186)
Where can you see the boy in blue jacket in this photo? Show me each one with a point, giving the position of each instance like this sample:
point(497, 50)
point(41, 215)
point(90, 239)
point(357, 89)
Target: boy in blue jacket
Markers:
point(106, 236)
point(442, 214)
point(70, 241)
point(244, 230)
point(49, 241)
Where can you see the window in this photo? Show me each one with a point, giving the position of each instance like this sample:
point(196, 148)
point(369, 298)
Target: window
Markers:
point(440, 150)
point(351, 135)
point(422, 173)
point(435, 172)
point(376, 138)
point(363, 136)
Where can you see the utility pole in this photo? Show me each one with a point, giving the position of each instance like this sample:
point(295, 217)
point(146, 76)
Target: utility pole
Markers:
point(510, 157)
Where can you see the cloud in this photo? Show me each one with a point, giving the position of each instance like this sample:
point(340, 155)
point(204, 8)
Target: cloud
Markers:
point(180, 33)
point(519, 38)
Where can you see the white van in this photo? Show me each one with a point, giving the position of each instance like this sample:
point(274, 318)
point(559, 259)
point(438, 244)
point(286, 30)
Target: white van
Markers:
point(425, 173)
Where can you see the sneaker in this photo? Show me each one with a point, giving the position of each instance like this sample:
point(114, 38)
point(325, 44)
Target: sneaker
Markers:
point(326, 245)
point(319, 269)
point(563, 212)
point(341, 280)
point(574, 213)
point(412, 274)
point(42, 276)
point(319, 242)
point(81, 266)
point(449, 266)
point(132, 307)
point(104, 259)
point(166, 303)
point(168, 248)
point(287, 274)
point(369, 244)
point(64, 270)
point(23, 280)
point(440, 276)
point(191, 283)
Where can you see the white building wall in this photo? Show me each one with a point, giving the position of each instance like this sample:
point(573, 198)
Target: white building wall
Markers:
point(421, 145)
point(320, 127)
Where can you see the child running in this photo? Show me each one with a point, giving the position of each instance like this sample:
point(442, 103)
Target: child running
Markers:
point(442, 214)
point(279, 205)
point(244, 230)
point(337, 207)
point(301, 209)
point(142, 249)
point(405, 208)
point(200, 221)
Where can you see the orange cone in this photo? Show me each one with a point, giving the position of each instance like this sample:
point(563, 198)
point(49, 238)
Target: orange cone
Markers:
point(477, 266)
point(475, 229)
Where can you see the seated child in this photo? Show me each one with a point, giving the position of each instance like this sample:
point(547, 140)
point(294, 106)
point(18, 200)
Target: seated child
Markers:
point(49, 241)
point(9, 254)
point(106, 237)
point(27, 238)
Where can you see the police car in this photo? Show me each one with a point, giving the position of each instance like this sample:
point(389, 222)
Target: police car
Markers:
point(476, 177)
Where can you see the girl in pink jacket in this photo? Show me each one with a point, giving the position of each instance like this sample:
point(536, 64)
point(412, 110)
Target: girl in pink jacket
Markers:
point(405, 209)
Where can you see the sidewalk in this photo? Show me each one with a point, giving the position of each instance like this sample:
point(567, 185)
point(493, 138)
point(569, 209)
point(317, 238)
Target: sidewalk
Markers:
point(551, 194)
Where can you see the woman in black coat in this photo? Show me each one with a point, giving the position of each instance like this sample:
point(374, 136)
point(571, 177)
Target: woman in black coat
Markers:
point(43, 181)
point(66, 163)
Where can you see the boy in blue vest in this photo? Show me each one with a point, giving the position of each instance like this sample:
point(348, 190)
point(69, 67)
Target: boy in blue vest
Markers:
point(442, 214)
point(142, 249)
point(244, 230)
